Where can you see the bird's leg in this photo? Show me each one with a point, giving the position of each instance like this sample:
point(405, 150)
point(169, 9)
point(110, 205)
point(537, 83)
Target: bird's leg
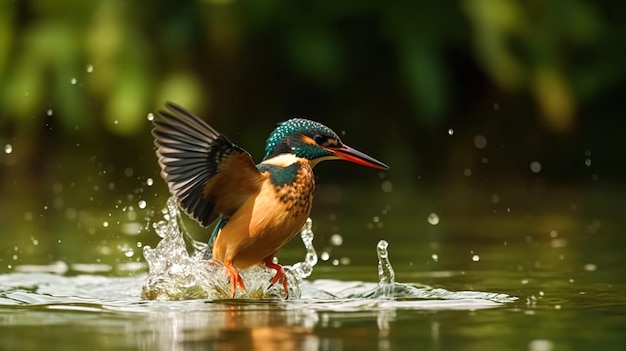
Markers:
point(280, 272)
point(235, 278)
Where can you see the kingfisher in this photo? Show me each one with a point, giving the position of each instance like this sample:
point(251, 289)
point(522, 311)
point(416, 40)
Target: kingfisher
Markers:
point(258, 208)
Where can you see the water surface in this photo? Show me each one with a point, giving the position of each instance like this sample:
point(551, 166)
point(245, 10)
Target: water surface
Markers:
point(529, 282)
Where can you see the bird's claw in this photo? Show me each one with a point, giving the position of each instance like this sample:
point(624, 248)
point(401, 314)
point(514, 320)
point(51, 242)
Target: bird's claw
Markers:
point(280, 274)
point(235, 280)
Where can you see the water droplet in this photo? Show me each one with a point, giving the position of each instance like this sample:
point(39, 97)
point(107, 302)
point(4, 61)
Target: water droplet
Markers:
point(150, 116)
point(495, 199)
point(435, 257)
point(324, 256)
point(73, 81)
point(89, 68)
point(149, 182)
point(590, 267)
point(433, 219)
point(541, 345)
point(450, 131)
point(336, 240)
point(8, 148)
point(304, 269)
point(535, 167)
point(105, 224)
point(387, 186)
point(49, 112)
point(386, 210)
point(480, 141)
point(467, 172)
point(475, 258)
point(587, 162)
point(386, 274)
point(142, 204)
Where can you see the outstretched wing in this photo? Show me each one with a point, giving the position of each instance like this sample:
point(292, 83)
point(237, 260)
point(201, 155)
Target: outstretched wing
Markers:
point(209, 176)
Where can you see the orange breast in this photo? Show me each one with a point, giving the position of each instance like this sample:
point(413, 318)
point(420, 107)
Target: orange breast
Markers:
point(266, 221)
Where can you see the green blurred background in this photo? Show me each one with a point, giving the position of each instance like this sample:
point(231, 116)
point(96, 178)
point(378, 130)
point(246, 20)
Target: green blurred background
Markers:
point(470, 102)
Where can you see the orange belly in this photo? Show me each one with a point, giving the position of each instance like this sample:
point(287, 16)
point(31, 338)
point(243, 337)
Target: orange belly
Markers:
point(261, 226)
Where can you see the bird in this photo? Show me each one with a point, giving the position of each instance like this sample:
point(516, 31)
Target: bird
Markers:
point(258, 207)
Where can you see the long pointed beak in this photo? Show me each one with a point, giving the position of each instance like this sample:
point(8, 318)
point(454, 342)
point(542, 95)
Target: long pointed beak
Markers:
point(349, 154)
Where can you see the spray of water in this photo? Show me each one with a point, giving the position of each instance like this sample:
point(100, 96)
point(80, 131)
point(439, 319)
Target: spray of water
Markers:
point(386, 275)
point(177, 270)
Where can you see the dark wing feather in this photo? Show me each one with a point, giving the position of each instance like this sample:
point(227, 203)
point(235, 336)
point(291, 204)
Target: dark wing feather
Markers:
point(209, 176)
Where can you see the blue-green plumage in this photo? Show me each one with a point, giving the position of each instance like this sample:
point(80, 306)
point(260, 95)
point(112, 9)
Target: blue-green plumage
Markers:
point(287, 139)
point(280, 176)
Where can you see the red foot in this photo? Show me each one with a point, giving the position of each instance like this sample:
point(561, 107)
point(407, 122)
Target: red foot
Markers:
point(280, 273)
point(235, 278)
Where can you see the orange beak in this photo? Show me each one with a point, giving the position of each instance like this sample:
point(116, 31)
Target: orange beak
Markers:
point(355, 156)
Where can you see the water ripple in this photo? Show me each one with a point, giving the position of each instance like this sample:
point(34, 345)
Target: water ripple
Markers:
point(179, 279)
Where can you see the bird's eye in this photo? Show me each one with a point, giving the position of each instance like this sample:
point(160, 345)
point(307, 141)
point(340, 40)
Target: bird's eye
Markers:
point(319, 139)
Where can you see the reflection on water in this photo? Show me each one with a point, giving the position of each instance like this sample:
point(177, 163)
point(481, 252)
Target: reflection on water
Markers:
point(114, 304)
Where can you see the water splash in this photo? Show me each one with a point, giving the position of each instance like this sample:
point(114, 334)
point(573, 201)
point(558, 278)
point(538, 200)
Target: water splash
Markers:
point(177, 270)
point(386, 275)
point(387, 292)
point(302, 270)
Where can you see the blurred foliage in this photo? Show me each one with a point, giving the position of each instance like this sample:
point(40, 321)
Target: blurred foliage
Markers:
point(99, 67)
point(127, 58)
point(414, 83)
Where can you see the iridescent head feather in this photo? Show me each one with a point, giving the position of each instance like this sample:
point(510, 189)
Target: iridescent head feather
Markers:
point(303, 138)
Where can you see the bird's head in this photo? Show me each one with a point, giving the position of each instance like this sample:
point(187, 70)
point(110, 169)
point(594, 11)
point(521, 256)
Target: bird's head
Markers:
point(315, 142)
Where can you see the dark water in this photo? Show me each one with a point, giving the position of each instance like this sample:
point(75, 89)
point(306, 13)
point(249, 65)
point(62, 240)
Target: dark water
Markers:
point(456, 276)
